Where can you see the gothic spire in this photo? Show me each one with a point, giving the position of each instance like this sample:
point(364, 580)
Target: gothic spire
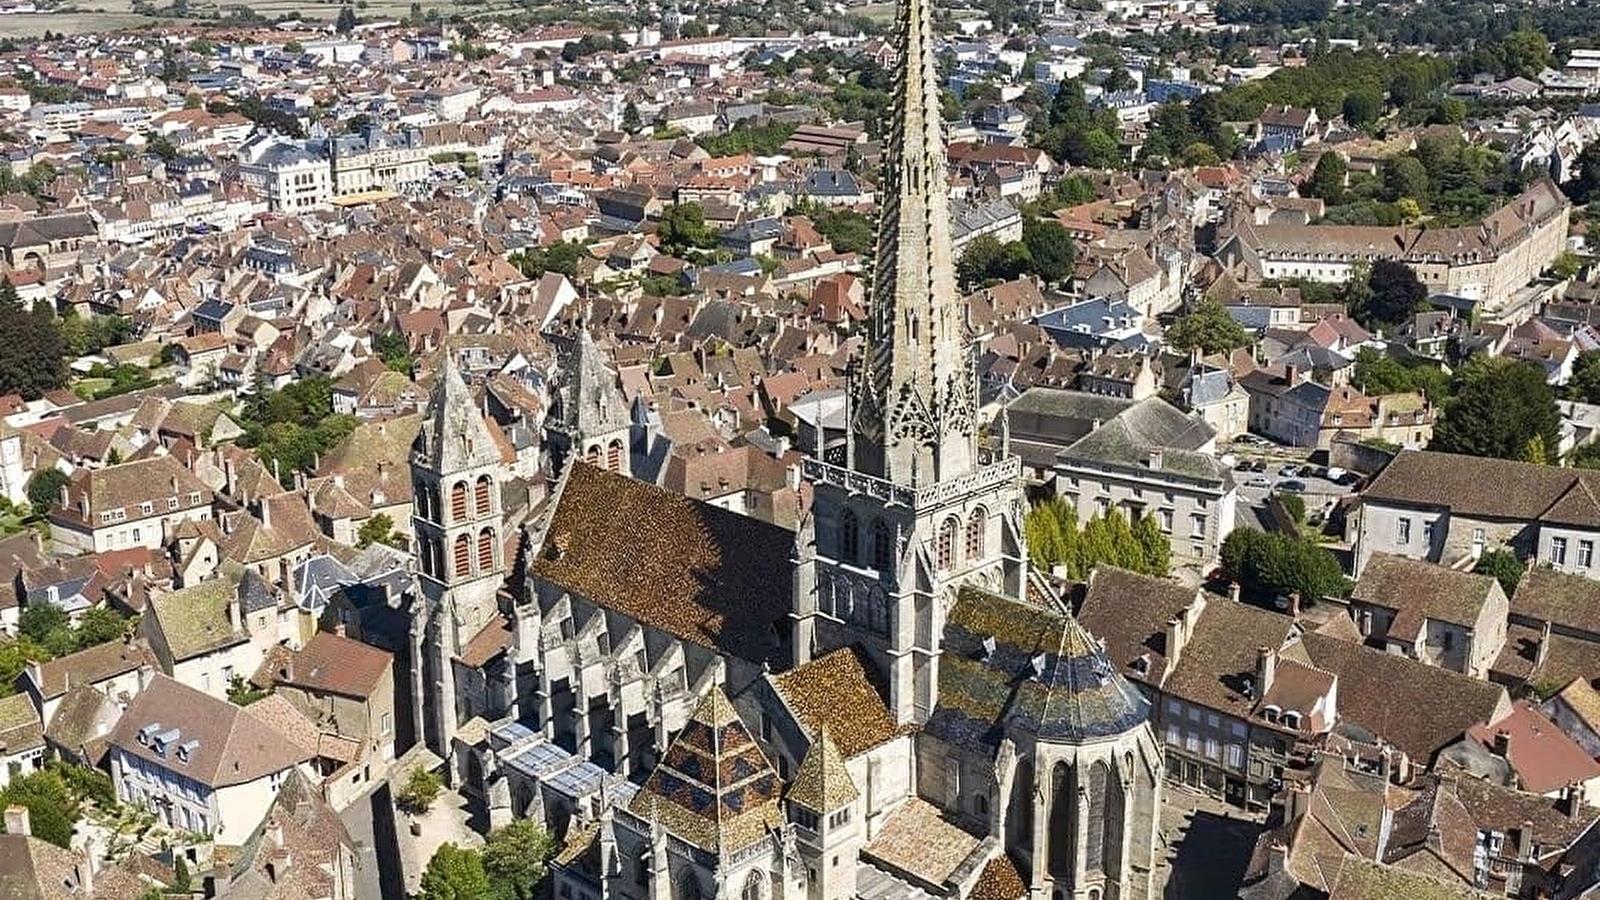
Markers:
point(454, 436)
point(915, 394)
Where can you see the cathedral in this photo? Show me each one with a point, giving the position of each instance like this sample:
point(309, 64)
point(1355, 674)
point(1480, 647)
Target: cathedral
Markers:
point(883, 703)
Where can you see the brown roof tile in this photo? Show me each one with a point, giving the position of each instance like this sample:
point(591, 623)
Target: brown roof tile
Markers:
point(704, 574)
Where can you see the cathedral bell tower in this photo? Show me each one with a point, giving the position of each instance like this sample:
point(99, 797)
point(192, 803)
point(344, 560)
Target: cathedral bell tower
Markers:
point(459, 535)
point(918, 509)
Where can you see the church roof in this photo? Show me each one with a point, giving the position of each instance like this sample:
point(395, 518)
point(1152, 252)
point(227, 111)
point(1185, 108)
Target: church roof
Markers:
point(839, 693)
point(822, 782)
point(587, 399)
point(1011, 664)
point(703, 574)
point(714, 788)
point(455, 436)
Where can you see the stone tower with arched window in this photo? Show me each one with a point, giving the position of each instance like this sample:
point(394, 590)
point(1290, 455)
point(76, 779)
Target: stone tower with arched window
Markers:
point(588, 416)
point(919, 507)
point(459, 540)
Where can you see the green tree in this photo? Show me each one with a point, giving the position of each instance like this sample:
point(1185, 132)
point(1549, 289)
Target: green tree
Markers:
point(44, 488)
point(1403, 176)
point(1503, 565)
point(377, 530)
point(1327, 179)
point(99, 625)
point(1497, 409)
point(1585, 184)
point(631, 120)
point(1055, 539)
point(52, 807)
point(562, 258)
point(1393, 294)
point(182, 883)
point(515, 857)
point(14, 658)
point(683, 228)
point(1281, 564)
point(346, 21)
point(1050, 248)
point(33, 361)
point(1584, 385)
point(1208, 328)
point(422, 788)
point(455, 873)
point(39, 619)
point(1526, 52)
point(1362, 107)
point(243, 693)
point(395, 351)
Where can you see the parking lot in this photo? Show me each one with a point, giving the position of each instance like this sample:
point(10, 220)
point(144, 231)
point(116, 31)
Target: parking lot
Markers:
point(1261, 467)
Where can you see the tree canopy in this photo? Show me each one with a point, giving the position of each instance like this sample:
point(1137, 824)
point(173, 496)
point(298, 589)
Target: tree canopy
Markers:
point(1392, 296)
point(1500, 407)
point(1055, 539)
point(455, 873)
point(1281, 564)
point(1208, 328)
point(515, 858)
point(683, 228)
point(34, 358)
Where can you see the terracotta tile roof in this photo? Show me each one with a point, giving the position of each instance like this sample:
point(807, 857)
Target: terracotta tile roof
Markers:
point(234, 746)
point(1220, 656)
point(1429, 591)
point(1416, 707)
point(90, 666)
point(1360, 879)
point(704, 574)
point(20, 728)
point(1129, 612)
point(1475, 486)
point(1546, 595)
point(1544, 758)
point(335, 664)
point(488, 643)
point(918, 842)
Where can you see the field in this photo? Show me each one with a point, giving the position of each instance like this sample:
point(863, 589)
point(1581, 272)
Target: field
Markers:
point(118, 15)
point(28, 25)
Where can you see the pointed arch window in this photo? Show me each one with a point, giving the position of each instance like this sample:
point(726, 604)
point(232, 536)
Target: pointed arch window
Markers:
point(752, 887)
point(458, 501)
point(486, 550)
point(462, 556)
point(849, 536)
point(483, 496)
point(947, 543)
point(882, 547)
point(977, 527)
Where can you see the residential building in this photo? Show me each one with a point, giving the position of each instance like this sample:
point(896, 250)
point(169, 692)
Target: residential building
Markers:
point(199, 763)
point(1446, 508)
point(1441, 616)
point(132, 504)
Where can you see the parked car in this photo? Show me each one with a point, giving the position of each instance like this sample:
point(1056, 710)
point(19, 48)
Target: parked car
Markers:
point(1292, 486)
point(1252, 440)
point(1259, 481)
point(1258, 466)
point(1288, 470)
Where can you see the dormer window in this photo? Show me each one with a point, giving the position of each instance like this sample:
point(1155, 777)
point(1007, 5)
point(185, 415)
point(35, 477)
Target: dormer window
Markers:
point(146, 733)
point(1270, 713)
point(1291, 719)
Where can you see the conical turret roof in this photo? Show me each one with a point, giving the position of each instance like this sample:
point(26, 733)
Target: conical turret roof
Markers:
point(823, 782)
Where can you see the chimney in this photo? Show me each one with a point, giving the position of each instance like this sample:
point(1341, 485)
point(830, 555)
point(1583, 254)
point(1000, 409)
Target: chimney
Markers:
point(1155, 460)
point(1291, 375)
point(1572, 800)
point(1502, 743)
point(1233, 591)
point(1294, 604)
point(1266, 669)
point(1278, 856)
point(17, 821)
point(1543, 650)
point(264, 512)
point(235, 614)
point(84, 869)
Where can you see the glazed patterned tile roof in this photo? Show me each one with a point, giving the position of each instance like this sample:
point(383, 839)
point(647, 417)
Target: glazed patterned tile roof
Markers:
point(1008, 663)
point(714, 787)
point(822, 782)
point(838, 692)
point(703, 574)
